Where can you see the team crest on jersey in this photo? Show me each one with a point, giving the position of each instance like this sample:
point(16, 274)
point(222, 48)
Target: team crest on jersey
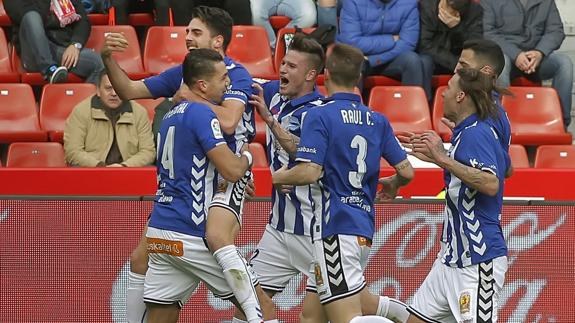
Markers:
point(222, 186)
point(318, 276)
point(216, 129)
point(465, 303)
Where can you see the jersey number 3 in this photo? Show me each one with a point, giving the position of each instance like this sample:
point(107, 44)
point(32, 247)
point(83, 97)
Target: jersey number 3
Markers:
point(356, 177)
point(167, 158)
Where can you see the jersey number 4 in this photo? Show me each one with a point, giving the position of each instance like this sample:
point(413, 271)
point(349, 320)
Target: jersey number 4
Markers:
point(356, 177)
point(167, 158)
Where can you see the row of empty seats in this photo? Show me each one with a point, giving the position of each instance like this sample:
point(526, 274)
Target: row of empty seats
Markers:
point(51, 154)
point(535, 113)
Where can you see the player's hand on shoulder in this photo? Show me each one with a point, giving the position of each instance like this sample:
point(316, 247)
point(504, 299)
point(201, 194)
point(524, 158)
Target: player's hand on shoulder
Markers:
point(257, 101)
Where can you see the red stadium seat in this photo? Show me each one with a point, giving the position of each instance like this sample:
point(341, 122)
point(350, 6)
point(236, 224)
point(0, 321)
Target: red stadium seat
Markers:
point(280, 50)
point(437, 114)
point(4, 19)
point(405, 106)
point(130, 60)
point(440, 80)
point(250, 47)
point(18, 116)
point(558, 156)
point(323, 90)
point(99, 18)
point(523, 81)
point(35, 78)
point(164, 48)
point(35, 154)
point(535, 116)
point(279, 22)
point(7, 73)
point(379, 80)
point(518, 156)
point(58, 101)
point(150, 105)
point(259, 154)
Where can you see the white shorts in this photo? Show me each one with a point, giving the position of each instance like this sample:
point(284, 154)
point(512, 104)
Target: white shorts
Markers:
point(230, 196)
point(177, 263)
point(339, 267)
point(463, 295)
point(280, 256)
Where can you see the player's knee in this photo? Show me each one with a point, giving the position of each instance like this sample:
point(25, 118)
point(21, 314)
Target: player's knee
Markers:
point(217, 240)
point(139, 261)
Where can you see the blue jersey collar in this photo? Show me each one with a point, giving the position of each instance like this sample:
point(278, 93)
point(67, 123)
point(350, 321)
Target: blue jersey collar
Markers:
point(465, 123)
point(312, 96)
point(344, 96)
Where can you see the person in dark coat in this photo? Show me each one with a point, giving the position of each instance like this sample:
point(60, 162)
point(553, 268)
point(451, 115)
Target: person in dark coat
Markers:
point(50, 35)
point(445, 26)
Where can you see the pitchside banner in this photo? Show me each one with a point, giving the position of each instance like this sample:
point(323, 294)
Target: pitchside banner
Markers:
point(68, 261)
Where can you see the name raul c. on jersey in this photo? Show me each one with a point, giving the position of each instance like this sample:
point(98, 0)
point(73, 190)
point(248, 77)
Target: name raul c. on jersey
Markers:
point(356, 117)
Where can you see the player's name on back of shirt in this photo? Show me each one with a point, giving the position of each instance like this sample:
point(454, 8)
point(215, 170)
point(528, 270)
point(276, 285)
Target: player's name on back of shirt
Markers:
point(357, 117)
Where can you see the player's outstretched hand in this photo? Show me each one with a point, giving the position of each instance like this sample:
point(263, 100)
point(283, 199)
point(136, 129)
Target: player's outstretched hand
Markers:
point(257, 101)
point(114, 42)
point(430, 146)
point(389, 189)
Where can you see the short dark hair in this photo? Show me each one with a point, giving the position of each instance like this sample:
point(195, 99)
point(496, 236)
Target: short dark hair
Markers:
point(218, 21)
point(478, 86)
point(344, 65)
point(488, 52)
point(101, 75)
point(305, 44)
point(199, 64)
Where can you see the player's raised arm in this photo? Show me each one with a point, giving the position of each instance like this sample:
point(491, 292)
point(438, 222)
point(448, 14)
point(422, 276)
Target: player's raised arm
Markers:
point(126, 88)
point(303, 173)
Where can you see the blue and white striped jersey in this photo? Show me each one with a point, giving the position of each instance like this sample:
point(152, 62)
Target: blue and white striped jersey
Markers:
point(168, 82)
point(186, 178)
point(348, 140)
point(291, 214)
point(472, 220)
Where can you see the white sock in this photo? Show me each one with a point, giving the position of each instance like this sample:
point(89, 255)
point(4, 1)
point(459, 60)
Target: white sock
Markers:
point(237, 320)
point(238, 277)
point(135, 306)
point(392, 309)
point(272, 321)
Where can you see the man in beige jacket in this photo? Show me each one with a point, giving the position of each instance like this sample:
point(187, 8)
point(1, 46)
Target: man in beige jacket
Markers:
point(106, 131)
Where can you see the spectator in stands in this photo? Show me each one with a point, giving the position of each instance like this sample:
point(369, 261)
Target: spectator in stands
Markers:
point(49, 37)
point(106, 131)
point(387, 32)
point(529, 32)
point(301, 12)
point(239, 10)
point(161, 9)
point(445, 26)
point(327, 13)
